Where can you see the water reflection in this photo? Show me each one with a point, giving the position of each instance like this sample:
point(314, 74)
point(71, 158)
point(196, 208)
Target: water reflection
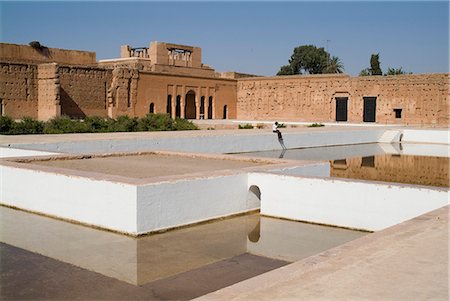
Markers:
point(431, 171)
point(146, 259)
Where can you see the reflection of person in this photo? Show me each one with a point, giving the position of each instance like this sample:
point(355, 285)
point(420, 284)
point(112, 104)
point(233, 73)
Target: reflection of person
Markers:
point(280, 137)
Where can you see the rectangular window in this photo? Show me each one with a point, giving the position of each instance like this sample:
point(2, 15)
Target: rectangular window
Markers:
point(398, 113)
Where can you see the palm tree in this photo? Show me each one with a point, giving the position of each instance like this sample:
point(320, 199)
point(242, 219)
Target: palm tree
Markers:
point(334, 66)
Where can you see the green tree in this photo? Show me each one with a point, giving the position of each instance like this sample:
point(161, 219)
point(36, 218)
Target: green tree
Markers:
point(334, 66)
point(309, 59)
point(285, 70)
point(394, 71)
point(375, 68)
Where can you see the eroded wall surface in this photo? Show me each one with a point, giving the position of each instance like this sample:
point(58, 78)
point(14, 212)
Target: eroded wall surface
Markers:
point(422, 98)
point(18, 90)
point(84, 90)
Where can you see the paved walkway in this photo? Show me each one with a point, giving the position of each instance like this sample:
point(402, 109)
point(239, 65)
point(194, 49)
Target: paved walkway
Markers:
point(406, 262)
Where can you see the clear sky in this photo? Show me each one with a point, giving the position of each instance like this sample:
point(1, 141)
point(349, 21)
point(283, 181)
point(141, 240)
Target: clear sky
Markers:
point(250, 37)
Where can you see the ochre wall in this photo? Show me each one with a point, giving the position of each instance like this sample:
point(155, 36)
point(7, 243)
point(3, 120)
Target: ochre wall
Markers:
point(18, 90)
point(83, 90)
point(25, 53)
point(154, 88)
point(423, 98)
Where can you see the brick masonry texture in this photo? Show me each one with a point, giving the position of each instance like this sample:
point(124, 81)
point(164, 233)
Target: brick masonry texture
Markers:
point(72, 83)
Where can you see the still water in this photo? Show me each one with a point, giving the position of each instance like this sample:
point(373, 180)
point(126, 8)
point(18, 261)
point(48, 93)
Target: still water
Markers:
point(146, 259)
point(418, 164)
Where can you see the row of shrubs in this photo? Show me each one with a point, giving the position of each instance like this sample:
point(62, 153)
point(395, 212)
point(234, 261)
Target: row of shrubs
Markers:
point(94, 124)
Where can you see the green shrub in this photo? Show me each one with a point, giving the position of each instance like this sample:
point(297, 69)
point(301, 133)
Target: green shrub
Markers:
point(27, 125)
point(63, 124)
point(97, 124)
point(156, 122)
point(315, 125)
point(281, 125)
point(183, 125)
point(245, 126)
point(6, 124)
point(124, 124)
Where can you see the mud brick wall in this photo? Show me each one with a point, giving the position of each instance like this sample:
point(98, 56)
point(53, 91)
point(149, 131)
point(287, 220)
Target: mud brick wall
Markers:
point(48, 92)
point(83, 90)
point(122, 92)
point(25, 53)
point(423, 98)
point(304, 98)
point(18, 90)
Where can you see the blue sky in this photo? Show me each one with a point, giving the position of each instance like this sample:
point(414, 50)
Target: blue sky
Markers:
point(250, 37)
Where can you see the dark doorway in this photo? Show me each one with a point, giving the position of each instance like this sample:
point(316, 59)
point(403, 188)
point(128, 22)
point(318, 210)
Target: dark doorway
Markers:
point(210, 107)
point(189, 108)
point(225, 112)
point(341, 108)
point(178, 107)
point(202, 107)
point(152, 108)
point(370, 106)
point(169, 105)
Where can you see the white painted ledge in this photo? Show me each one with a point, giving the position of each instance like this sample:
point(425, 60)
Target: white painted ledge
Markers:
point(354, 204)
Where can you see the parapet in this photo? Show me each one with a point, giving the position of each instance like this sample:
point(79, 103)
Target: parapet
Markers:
point(42, 54)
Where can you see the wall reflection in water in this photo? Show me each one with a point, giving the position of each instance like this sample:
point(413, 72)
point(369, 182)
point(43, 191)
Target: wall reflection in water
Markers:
point(146, 259)
point(420, 170)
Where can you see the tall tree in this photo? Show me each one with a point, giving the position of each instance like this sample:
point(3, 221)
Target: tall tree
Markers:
point(375, 68)
point(309, 59)
point(334, 65)
point(286, 70)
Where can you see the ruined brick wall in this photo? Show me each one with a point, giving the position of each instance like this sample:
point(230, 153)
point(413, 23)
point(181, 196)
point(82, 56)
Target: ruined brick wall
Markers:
point(84, 90)
point(122, 93)
point(18, 90)
point(25, 53)
point(304, 98)
point(422, 98)
point(48, 91)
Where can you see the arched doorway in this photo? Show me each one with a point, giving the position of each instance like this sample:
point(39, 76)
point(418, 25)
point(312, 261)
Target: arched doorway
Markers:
point(169, 105)
point(202, 107)
point(178, 107)
point(189, 108)
point(210, 107)
point(152, 108)
point(225, 112)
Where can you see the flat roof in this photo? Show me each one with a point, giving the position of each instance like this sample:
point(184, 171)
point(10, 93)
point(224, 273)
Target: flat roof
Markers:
point(147, 165)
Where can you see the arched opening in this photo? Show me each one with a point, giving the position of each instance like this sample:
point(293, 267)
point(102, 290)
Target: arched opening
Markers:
point(255, 234)
point(210, 107)
point(169, 105)
point(178, 107)
point(225, 112)
point(189, 107)
point(202, 107)
point(254, 197)
point(152, 108)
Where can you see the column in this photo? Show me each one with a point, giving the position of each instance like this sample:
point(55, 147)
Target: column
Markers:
point(206, 103)
point(197, 103)
point(174, 101)
point(182, 101)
